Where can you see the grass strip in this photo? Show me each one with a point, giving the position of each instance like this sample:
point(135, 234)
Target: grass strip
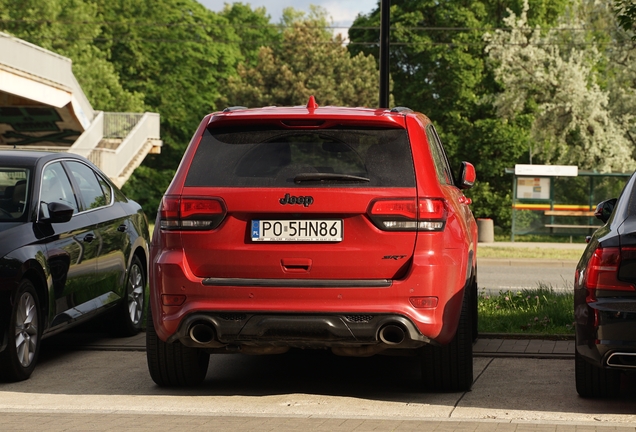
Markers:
point(505, 252)
point(533, 311)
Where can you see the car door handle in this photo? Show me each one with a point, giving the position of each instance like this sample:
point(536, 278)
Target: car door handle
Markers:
point(122, 228)
point(89, 238)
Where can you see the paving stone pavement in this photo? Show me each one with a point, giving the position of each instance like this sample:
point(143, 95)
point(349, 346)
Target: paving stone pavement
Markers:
point(486, 346)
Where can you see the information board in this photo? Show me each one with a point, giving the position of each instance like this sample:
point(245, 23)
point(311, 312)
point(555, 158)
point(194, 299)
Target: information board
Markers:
point(534, 188)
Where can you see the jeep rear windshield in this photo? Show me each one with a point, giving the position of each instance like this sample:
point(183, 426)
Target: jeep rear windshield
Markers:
point(336, 157)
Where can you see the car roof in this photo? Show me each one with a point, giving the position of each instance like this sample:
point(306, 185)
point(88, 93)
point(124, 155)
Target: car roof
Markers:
point(31, 157)
point(380, 117)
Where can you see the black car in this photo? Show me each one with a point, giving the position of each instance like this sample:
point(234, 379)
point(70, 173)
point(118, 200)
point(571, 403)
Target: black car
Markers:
point(71, 247)
point(605, 299)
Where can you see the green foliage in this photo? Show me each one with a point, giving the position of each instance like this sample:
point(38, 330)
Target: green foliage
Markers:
point(307, 61)
point(540, 310)
point(514, 252)
point(252, 28)
point(626, 13)
point(147, 187)
point(68, 28)
point(177, 54)
point(439, 67)
point(177, 58)
point(580, 114)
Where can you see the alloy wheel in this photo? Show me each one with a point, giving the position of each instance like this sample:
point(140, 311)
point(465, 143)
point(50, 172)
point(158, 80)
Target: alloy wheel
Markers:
point(135, 294)
point(26, 329)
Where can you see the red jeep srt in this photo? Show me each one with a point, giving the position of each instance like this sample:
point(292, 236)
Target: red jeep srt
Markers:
point(315, 228)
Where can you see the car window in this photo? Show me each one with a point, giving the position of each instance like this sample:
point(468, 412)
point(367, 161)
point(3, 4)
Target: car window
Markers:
point(91, 190)
point(106, 189)
point(56, 187)
point(13, 193)
point(274, 157)
point(444, 173)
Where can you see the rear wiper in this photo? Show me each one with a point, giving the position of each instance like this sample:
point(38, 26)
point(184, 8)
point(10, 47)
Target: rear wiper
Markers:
point(322, 177)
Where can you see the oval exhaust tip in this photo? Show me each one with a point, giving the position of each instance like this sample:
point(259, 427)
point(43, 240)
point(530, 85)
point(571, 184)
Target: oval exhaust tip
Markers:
point(392, 334)
point(622, 360)
point(202, 333)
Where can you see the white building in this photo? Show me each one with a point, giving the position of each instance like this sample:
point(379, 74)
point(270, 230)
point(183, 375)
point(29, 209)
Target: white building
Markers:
point(43, 107)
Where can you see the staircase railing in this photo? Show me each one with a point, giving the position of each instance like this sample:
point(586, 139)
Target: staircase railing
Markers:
point(114, 162)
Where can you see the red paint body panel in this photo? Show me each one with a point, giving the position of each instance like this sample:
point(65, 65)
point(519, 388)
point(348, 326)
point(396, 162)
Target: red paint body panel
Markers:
point(417, 263)
point(434, 273)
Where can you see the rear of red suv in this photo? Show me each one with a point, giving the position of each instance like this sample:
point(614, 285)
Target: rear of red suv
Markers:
point(314, 228)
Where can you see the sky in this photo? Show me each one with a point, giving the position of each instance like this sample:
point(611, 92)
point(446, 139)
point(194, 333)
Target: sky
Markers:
point(342, 12)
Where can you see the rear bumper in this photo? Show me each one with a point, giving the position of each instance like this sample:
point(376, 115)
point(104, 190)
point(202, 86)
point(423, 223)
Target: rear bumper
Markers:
point(606, 333)
point(345, 334)
point(310, 313)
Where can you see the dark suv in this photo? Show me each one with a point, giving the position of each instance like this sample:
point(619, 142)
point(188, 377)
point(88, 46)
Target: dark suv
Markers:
point(314, 228)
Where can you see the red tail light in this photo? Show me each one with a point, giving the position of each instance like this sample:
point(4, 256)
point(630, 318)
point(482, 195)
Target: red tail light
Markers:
point(409, 214)
point(191, 213)
point(603, 270)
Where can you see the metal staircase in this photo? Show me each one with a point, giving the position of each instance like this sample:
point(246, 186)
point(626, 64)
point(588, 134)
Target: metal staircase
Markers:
point(42, 107)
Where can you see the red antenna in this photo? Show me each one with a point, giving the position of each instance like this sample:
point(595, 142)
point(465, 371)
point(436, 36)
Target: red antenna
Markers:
point(312, 105)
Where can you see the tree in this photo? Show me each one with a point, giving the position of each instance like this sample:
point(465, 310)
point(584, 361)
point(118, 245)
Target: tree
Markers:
point(178, 54)
point(307, 61)
point(557, 80)
point(68, 28)
point(168, 56)
point(625, 13)
point(439, 67)
point(253, 30)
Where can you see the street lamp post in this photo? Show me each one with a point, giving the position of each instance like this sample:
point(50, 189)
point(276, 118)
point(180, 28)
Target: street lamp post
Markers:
point(385, 11)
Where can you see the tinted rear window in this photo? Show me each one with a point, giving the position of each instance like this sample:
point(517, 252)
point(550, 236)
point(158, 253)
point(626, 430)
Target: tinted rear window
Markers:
point(270, 158)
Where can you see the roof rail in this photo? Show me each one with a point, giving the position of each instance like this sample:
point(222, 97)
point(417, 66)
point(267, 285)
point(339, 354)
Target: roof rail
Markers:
point(401, 109)
point(234, 108)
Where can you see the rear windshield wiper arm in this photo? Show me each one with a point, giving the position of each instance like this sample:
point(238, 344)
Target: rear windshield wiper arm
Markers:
point(320, 177)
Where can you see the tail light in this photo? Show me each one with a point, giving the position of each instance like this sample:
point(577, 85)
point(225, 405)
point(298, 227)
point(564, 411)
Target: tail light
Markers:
point(191, 213)
point(409, 214)
point(605, 268)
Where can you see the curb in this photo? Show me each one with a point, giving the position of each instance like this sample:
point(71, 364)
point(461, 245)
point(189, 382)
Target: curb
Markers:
point(529, 336)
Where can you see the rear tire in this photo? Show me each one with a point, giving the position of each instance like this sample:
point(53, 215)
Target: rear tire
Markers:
point(173, 364)
point(449, 368)
point(475, 308)
point(593, 381)
point(18, 359)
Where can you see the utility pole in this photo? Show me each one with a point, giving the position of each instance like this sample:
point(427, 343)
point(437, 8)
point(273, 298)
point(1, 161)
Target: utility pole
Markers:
point(385, 11)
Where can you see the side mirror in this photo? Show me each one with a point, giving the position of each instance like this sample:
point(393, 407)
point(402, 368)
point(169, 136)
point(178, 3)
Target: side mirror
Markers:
point(604, 209)
point(467, 176)
point(57, 212)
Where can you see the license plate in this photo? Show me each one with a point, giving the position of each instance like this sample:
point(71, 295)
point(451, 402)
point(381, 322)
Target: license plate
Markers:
point(297, 230)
